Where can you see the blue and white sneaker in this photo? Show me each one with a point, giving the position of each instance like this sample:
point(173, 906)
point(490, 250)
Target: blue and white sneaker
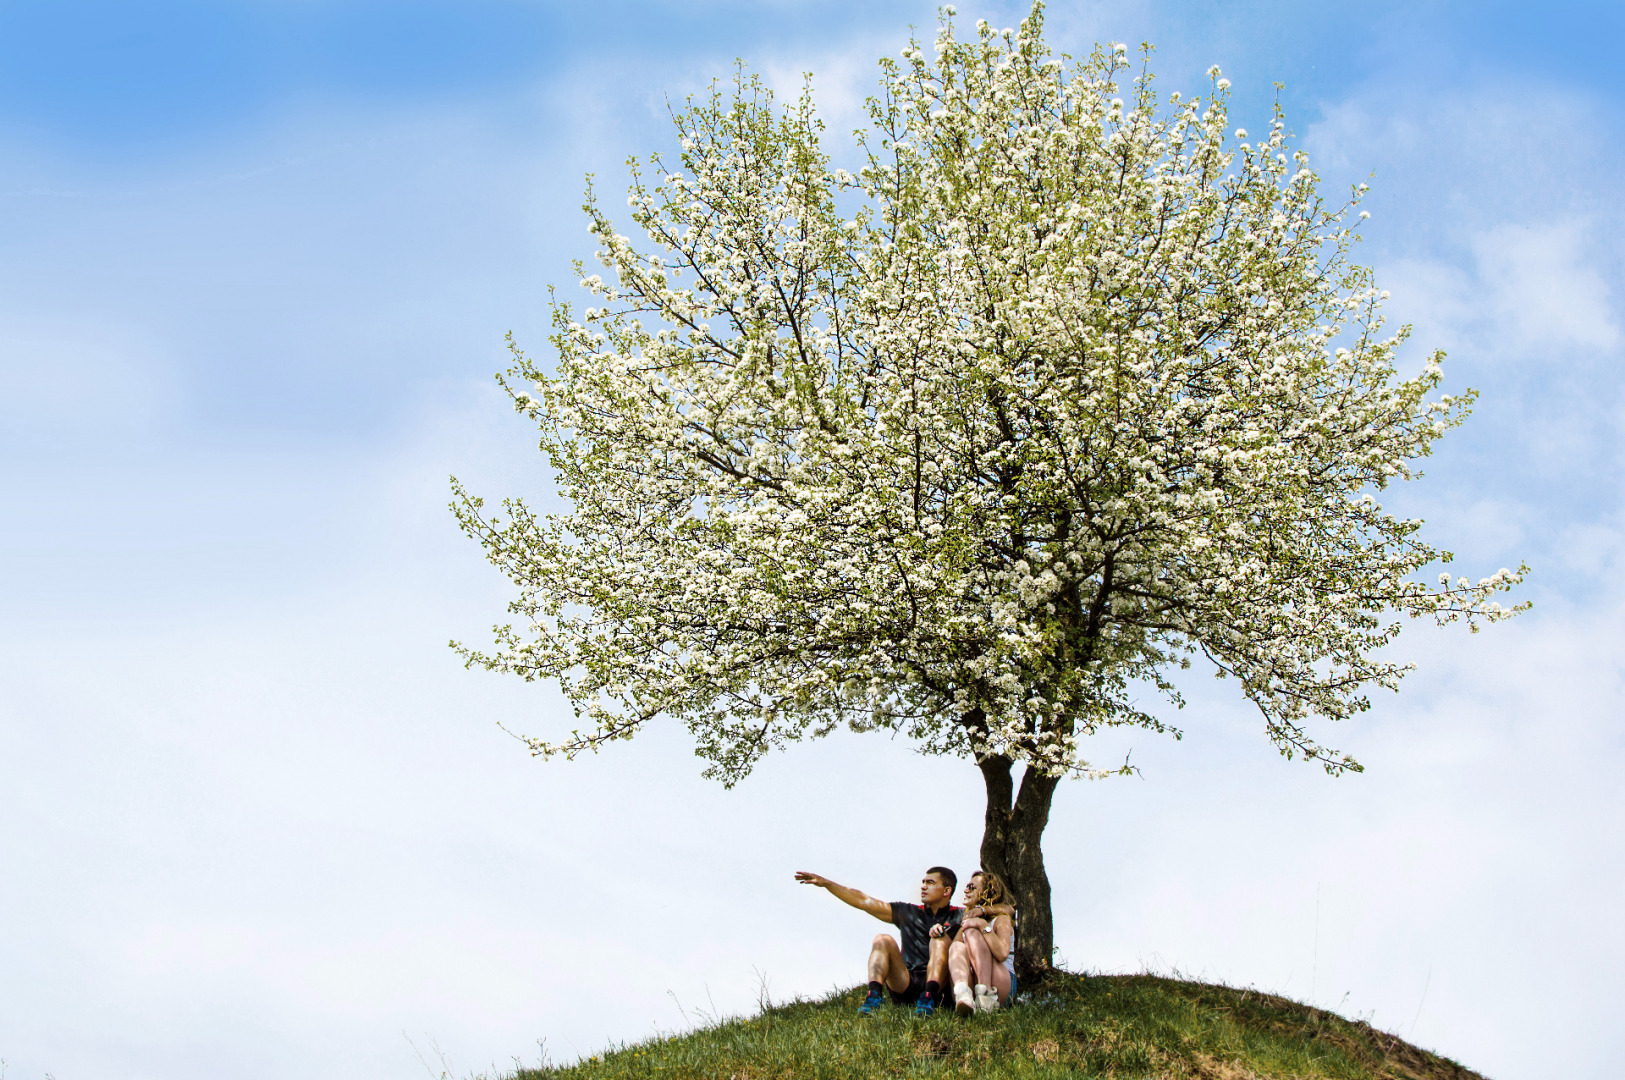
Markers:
point(871, 1003)
point(925, 1006)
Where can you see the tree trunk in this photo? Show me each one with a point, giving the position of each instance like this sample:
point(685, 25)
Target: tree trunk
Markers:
point(1011, 848)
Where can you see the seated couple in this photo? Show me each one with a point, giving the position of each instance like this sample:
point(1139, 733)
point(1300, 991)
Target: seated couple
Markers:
point(974, 946)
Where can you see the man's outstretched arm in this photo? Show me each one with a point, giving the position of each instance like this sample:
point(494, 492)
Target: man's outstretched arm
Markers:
point(880, 909)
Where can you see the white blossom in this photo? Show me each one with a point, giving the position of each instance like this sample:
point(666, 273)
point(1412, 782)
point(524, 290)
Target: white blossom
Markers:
point(1075, 396)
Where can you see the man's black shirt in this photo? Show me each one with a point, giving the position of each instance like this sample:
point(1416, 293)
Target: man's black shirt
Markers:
point(914, 923)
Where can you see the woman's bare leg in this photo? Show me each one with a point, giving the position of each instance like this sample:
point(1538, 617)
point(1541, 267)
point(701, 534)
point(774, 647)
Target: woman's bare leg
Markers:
point(989, 972)
point(1001, 982)
point(959, 965)
point(961, 974)
point(980, 957)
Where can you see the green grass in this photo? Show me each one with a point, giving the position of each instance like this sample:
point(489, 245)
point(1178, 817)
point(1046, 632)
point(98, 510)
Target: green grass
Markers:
point(1119, 1026)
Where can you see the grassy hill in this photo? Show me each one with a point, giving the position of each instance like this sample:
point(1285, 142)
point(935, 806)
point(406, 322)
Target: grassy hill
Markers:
point(1118, 1026)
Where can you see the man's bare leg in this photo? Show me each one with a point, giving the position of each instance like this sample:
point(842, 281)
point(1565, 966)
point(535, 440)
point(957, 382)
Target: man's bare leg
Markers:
point(936, 975)
point(886, 965)
point(936, 964)
point(886, 969)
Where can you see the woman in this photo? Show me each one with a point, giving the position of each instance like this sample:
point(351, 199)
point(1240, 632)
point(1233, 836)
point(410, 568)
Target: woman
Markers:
point(984, 948)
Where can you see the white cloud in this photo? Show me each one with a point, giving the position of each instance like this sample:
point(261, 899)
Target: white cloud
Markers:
point(1494, 231)
point(1534, 293)
point(64, 381)
point(842, 80)
point(1461, 160)
point(1544, 289)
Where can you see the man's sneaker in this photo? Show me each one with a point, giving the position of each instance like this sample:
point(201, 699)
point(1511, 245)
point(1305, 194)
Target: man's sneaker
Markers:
point(964, 999)
point(987, 998)
point(925, 1006)
point(871, 1003)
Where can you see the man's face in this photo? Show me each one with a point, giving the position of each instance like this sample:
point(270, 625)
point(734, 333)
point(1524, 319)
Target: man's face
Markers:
point(933, 890)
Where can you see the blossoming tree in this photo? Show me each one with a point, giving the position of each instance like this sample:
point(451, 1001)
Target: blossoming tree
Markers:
point(1062, 390)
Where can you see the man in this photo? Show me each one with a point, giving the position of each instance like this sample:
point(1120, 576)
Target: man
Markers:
point(916, 972)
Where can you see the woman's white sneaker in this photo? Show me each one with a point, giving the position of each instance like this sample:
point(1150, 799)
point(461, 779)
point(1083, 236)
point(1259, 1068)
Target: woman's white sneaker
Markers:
point(964, 999)
point(987, 998)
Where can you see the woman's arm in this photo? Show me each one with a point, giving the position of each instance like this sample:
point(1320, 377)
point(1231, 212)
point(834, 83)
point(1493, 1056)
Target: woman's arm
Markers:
point(998, 940)
point(971, 925)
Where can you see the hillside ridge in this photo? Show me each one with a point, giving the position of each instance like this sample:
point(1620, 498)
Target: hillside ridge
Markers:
point(1072, 1025)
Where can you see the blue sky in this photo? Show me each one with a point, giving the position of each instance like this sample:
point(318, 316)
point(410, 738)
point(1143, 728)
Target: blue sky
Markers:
point(256, 264)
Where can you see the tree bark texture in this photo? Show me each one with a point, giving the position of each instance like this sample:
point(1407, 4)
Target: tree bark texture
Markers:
point(1011, 848)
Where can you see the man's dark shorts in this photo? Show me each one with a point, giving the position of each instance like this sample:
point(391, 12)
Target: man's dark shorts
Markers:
point(916, 987)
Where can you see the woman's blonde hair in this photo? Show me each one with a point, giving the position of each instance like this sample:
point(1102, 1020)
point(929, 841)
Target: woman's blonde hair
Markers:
point(993, 889)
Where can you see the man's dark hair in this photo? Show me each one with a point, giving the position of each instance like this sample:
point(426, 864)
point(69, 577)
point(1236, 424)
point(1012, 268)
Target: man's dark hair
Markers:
point(949, 878)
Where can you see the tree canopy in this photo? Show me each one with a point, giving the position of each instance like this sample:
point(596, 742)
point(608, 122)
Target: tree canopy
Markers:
point(1068, 385)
